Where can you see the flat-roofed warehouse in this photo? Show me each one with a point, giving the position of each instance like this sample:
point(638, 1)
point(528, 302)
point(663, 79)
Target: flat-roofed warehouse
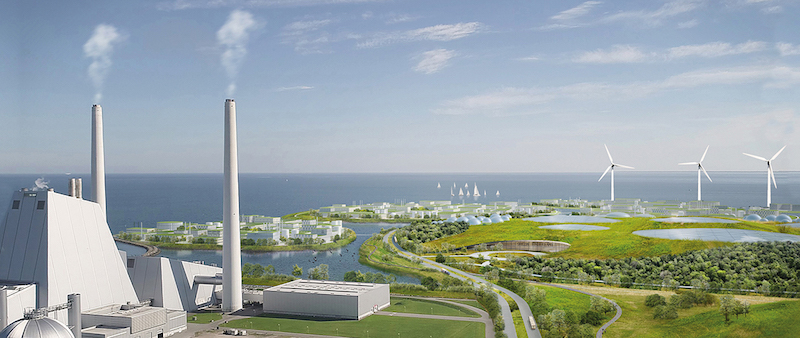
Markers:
point(332, 299)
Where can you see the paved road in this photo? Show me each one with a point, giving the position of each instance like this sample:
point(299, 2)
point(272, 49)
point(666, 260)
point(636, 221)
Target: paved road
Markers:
point(484, 315)
point(608, 323)
point(525, 310)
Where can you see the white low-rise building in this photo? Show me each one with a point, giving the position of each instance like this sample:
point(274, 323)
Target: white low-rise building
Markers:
point(329, 299)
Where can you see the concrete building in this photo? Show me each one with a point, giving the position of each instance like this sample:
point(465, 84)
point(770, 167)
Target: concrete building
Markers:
point(329, 299)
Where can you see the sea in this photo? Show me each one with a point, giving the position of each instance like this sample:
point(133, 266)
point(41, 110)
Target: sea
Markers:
point(134, 199)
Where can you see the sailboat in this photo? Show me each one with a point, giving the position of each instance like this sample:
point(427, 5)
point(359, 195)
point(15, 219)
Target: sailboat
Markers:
point(467, 192)
point(476, 193)
point(451, 192)
point(484, 192)
point(498, 193)
point(460, 192)
point(438, 185)
point(466, 185)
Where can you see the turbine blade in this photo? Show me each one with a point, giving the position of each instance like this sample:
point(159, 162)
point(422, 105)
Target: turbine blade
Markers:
point(704, 154)
point(609, 154)
point(704, 172)
point(689, 163)
point(624, 166)
point(778, 153)
point(755, 157)
point(772, 173)
point(604, 173)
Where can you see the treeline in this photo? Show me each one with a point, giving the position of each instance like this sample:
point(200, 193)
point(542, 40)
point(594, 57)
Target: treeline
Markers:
point(770, 268)
point(422, 231)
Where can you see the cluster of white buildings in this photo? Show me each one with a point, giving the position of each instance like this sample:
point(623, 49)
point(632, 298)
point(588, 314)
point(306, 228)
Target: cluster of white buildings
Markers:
point(423, 210)
point(666, 208)
point(253, 227)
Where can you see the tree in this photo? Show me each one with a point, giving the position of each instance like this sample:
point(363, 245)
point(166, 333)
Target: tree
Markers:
point(319, 273)
point(247, 269)
point(537, 300)
point(591, 317)
point(429, 283)
point(600, 305)
point(727, 306)
point(270, 270)
point(258, 271)
point(297, 271)
point(655, 300)
point(440, 258)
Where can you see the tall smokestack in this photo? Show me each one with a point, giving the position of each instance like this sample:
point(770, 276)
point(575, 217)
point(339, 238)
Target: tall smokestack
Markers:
point(231, 247)
point(98, 159)
point(74, 313)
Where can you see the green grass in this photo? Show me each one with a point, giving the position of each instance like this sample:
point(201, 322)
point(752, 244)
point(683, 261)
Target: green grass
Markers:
point(775, 319)
point(473, 303)
point(372, 326)
point(429, 307)
point(203, 317)
point(558, 298)
point(617, 242)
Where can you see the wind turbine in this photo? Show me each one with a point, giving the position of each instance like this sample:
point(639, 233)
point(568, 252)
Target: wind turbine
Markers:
point(770, 173)
point(699, 168)
point(611, 167)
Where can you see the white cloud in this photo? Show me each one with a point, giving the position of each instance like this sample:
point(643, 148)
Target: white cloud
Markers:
point(688, 24)
point(434, 60)
point(99, 48)
point(576, 12)
point(399, 18)
point(432, 33)
point(654, 17)
point(176, 5)
point(305, 35)
point(300, 27)
point(528, 58)
point(618, 54)
point(513, 100)
point(772, 9)
point(283, 89)
point(233, 36)
point(367, 15)
point(787, 49)
point(715, 49)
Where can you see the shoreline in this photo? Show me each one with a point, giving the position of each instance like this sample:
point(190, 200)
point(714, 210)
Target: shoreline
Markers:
point(151, 249)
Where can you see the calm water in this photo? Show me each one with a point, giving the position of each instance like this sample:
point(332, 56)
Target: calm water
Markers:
point(148, 198)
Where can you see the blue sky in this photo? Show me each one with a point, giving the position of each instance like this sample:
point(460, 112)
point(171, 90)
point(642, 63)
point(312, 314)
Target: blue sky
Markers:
point(400, 86)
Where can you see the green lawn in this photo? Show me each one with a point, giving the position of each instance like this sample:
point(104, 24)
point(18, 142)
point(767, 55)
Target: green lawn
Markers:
point(203, 318)
point(558, 298)
point(775, 319)
point(473, 303)
point(372, 326)
point(429, 307)
point(617, 242)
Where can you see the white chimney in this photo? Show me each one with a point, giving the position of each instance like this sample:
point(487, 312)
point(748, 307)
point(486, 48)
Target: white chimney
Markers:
point(98, 159)
point(231, 247)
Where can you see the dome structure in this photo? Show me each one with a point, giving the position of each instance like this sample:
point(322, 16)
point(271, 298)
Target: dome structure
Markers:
point(797, 220)
point(771, 218)
point(486, 221)
point(506, 217)
point(496, 219)
point(462, 219)
point(783, 219)
point(752, 217)
point(474, 221)
point(618, 215)
point(451, 219)
point(36, 328)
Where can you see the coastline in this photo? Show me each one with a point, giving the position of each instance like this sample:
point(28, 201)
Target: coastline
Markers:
point(151, 250)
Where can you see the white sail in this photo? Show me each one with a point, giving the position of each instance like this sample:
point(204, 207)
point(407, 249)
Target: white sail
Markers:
point(498, 193)
point(484, 192)
point(451, 192)
point(476, 193)
point(466, 185)
point(438, 185)
point(460, 192)
point(467, 192)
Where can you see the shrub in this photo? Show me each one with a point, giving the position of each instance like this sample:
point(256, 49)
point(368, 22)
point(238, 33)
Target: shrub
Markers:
point(665, 312)
point(440, 258)
point(591, 317)
point(655, 300)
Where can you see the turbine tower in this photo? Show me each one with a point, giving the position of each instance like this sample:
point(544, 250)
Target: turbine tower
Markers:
point(98, 159)
point(611, 167)
point(770, 173)
point(231, 247)
point(699, 168)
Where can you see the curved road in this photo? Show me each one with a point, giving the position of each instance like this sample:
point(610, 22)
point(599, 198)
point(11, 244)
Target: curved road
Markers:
point(484, 316)
point(524, 309)
point(602, 328)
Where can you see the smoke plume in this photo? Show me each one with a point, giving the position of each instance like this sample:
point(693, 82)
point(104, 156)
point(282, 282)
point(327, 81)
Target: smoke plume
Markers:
point(40, 184)
point(233, 36)
point(99, 49)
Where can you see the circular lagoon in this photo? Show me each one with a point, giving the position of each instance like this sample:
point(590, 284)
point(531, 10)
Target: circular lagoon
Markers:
point(718, 234)
point(582, 227)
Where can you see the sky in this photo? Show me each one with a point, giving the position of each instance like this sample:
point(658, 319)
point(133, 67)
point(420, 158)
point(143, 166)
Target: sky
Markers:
point(400, 86)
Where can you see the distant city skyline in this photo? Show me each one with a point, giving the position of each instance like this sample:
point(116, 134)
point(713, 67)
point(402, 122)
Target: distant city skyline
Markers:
point(400, 86)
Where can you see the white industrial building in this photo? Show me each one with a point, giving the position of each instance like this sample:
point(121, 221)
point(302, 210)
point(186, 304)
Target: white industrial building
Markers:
point(330, 299)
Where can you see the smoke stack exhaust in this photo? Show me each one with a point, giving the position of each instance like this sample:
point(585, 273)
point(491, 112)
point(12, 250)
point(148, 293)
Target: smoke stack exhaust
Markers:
point(231, 247)
point(76, 187)
point(98, 159)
